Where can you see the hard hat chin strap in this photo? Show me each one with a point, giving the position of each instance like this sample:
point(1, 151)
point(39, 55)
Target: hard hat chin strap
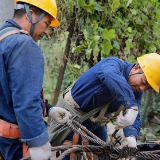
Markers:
point(30, 18)
point(140, 72)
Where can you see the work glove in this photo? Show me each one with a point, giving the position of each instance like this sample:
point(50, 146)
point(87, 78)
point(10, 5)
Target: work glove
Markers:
point(130, 142)
point(127, 118)
point(60, 115)
point(41, 153)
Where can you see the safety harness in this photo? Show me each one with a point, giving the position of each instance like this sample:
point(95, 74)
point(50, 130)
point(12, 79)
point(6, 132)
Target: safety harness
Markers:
point(9, 130)
point(101, 120)
point(58, 133)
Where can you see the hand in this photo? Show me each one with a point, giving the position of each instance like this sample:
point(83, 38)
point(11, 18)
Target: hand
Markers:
point(130, 142)
point(60, 115)
point(128, 118)
point(41, 153)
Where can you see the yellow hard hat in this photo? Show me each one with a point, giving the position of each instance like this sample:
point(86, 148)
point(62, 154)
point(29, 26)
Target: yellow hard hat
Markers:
point(49, 6)
point(150, 64)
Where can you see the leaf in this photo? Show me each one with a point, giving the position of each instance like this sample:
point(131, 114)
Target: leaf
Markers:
point(115, 5)
point(88, 52)
point(89, 7)
point(76, 66)
point(98, 7)
point(111, 33)
point(128, 43)
point(92, 43)
point(134, 12)
point(96, 50)
point(131, 58)
point(152, 48)
point(95, 24)
point(100, 29)
point(80, 3)
point(78, 49)
point(129, 2)
point(139, 20)
point(127, 50)
point(105, 34)
point(108, 34)
point(129, 29)
point(96, 38)
point(106, 48)
point(85, 34)
point(116, 45)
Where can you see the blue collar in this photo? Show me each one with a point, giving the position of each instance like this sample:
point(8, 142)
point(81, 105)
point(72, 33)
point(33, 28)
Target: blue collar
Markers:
point(10, 23)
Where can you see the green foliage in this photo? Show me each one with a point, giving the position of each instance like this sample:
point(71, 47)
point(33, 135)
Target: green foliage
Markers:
point(146, 134)
point(125, 29)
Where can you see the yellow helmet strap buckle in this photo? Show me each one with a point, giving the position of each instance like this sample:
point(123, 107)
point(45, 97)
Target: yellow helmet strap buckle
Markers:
point(30, 18)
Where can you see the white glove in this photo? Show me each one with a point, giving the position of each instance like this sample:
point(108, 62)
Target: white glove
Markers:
point(130, 142)
point(60, 115)
point(127, 119)
point(41, 153)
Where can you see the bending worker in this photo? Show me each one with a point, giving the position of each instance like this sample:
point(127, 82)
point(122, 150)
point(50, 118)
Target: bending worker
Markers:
point(115, 81)
point(21, 79)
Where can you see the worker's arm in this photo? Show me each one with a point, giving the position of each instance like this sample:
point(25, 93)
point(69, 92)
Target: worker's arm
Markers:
point(25, 74)
point(135, 128)
point(132, 132)
point(111, 74)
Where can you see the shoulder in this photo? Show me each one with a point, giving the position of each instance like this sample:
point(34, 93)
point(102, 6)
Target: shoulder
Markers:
point(21, 47)
point(25, 40)
point(19, 42)
point(27, 46)
point(112, 59)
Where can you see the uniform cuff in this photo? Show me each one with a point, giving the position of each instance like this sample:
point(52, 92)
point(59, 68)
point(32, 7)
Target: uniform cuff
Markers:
point(128, 131)
point(37, 141)
point(129, 102)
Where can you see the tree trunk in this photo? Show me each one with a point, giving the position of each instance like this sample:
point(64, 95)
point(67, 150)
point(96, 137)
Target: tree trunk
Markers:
point(65, 57)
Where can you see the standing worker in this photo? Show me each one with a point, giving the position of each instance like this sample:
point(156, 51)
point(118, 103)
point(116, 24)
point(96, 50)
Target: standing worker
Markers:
point(21, 78)
point(113, 82)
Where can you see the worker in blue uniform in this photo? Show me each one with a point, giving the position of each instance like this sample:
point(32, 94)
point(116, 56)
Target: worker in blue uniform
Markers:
point(119, 82)
point(21, 79)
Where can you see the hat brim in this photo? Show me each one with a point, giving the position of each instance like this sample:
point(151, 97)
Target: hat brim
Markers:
point(152, 84)
point(54, 23)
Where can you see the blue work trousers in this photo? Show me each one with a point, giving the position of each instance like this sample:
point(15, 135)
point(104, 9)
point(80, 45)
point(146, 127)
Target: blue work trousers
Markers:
point(11, 149)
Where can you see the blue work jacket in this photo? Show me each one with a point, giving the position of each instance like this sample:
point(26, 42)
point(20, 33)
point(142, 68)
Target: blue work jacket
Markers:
point(105, 81)
point(21, 78)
